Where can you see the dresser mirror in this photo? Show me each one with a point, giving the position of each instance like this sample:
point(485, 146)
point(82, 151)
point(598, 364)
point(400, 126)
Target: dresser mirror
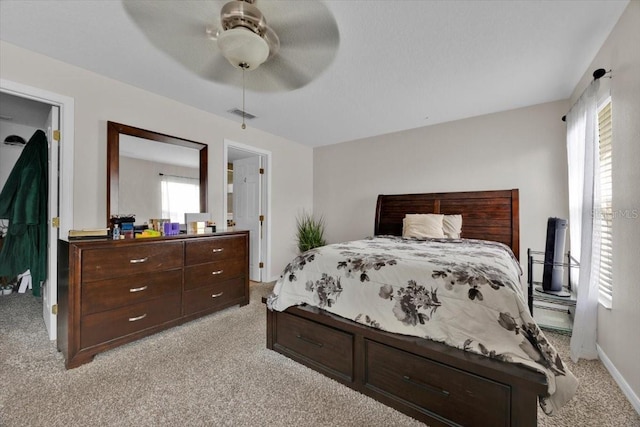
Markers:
point(153, 175)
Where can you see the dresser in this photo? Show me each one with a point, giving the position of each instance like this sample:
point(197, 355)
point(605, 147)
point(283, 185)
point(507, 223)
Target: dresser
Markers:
point(114, 292)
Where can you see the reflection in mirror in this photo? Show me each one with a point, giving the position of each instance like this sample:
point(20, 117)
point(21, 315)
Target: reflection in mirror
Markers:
point(158, 178)
point(151, 175)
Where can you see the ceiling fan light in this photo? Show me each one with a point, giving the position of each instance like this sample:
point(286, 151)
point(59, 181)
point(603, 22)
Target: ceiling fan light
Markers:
point(243, 48)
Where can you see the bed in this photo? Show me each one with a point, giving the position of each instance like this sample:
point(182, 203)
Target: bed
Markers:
point(446, 379)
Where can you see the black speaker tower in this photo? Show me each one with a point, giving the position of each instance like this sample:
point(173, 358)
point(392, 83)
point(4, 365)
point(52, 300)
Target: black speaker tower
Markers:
point(553, 271)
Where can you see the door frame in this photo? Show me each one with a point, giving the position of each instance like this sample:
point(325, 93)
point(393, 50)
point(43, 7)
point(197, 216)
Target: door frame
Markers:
point(50, 285)
point(66, 105)
point(266, 196)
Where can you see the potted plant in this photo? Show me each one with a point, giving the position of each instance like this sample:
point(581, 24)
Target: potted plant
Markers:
point(310, 232)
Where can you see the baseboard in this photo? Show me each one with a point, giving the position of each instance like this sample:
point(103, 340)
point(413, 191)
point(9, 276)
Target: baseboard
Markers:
point(264, 282)
point(622, 383)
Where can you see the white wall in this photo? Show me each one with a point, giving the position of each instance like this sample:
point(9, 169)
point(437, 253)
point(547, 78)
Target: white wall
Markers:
point(618, 328)
point(99, 99)
point(523, 149)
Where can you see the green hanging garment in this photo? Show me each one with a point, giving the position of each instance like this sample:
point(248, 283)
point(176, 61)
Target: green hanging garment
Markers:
point(23, 201)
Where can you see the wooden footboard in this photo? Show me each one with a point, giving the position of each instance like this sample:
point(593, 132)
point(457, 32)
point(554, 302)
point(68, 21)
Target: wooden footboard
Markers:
point(429, 381)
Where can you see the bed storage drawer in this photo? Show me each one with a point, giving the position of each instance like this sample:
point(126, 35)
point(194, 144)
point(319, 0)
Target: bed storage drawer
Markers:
point(321, 346)
point(217, 295)
point(434, 388)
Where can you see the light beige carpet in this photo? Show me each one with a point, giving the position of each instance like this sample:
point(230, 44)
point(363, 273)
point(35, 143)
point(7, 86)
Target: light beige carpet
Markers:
point(214, 371)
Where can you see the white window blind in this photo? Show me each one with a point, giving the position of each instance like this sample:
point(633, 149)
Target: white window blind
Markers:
point(605, 214)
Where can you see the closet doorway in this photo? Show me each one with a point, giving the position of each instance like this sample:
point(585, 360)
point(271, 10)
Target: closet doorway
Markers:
point(23, 110)
point(246, 202)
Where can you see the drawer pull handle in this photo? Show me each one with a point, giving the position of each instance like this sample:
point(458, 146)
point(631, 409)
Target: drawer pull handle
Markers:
point(135, 319)
point(217, 295)
point(215, 251)
point(217, 272)
point(140, 289)
point(139, 260)
point(307, 340)
point(427, 387)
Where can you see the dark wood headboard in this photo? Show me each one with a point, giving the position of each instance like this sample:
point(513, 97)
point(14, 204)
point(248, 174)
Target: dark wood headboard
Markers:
point(487, 215)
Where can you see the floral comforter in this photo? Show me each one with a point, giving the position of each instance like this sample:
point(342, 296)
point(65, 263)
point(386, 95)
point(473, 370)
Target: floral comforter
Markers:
point(465, 293)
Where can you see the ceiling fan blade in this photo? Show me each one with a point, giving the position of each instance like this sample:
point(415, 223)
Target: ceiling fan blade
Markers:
point(308, 24)
point(278, 75)
point(178, 29)
point(308, 34)
point(218, 69)
point(274, 76)
point(309, 39)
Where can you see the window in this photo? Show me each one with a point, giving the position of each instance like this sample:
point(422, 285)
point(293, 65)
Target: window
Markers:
point(180, 195)
point(605, 212)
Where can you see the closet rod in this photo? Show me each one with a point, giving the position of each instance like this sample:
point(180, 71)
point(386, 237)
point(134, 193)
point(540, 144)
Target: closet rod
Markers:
point(597, 74)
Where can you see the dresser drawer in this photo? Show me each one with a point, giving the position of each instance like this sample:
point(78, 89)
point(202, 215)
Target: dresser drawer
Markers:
point(113, 293)
point(435, 388)
point(212, 296)
point(321, 345)
point(215, 249)
point(117, 261)
point(207, 274)
point(108, 325)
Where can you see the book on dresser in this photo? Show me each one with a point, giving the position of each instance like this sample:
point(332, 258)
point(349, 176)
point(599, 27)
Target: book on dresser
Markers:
point(89, 233)
point(111, 292)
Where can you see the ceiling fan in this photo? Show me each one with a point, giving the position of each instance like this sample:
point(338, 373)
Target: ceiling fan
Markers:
point(285, 44)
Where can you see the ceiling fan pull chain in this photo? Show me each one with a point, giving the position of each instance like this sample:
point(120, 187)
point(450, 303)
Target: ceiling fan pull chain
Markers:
point(243, 109)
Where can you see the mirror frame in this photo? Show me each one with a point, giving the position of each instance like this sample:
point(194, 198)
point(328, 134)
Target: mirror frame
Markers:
point(114, 130)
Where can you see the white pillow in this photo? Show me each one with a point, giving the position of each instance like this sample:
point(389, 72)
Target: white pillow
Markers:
point(423, 225)
point(452, 226)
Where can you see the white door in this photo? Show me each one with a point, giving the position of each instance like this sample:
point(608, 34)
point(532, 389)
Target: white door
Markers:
point(247, 188)
point(49, 287)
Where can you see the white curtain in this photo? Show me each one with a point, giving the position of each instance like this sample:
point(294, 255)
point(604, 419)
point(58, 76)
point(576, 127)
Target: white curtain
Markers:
point(582, 156)
point(179, 196)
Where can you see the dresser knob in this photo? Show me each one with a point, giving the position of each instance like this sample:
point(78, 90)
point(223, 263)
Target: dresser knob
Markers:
point(134, 319)
point(217, 272)
point(217, 295)
point(139, 260)
point(140, 289)
point(217, 250)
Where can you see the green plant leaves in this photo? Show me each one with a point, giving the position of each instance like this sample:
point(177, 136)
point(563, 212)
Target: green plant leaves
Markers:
point(310, 232)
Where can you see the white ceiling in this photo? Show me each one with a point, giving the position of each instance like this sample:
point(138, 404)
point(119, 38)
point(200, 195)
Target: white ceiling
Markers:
point(400, 64)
